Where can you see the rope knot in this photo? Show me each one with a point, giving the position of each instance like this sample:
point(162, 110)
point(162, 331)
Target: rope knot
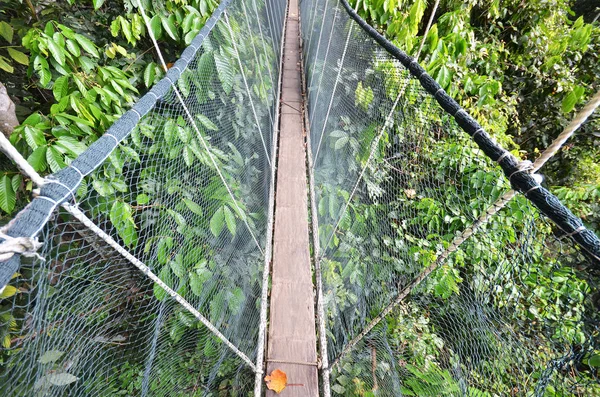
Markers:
point(26, 246)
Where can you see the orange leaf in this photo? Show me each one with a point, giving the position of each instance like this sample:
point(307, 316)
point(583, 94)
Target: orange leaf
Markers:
point(276, 381)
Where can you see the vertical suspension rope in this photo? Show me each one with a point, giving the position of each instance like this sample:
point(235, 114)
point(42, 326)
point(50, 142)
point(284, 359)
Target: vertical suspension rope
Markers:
point(337, 80)
point(429, 22)
point(273, 82)
point(312, 74)
point(237, 53)
point(318, 95)
point(256, 58)
point(195, 126)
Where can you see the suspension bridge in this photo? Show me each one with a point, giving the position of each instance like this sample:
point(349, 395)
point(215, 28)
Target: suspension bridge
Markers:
point(297, 194)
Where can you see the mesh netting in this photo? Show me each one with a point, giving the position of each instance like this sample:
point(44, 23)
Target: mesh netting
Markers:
point(186, 192)
point(511, 312)
point(421, 297)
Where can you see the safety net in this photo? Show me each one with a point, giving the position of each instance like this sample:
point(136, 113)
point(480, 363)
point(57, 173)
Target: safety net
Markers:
point(437, 279)
point(150, 276)
point(442, 264)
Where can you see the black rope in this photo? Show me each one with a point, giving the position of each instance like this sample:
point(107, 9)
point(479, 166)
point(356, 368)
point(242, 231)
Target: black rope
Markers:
point(521, 180)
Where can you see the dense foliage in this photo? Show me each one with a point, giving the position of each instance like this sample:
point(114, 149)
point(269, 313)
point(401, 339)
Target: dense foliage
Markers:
point(74, 68)
point(522, 69)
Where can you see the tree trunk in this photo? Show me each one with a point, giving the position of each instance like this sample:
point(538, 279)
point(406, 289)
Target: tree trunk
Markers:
point(8, 117)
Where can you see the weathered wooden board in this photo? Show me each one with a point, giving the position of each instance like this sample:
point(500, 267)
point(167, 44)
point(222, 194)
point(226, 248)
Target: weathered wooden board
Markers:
point(292, 336)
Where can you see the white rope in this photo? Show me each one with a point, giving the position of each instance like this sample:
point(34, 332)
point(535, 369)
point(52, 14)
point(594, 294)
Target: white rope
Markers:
point(318, 94)
point(195, 126)
point(25, 246)
point(256, 59)
point(87, 222)
point(435, 7)
point(237, 54)
point(569, 130)
point(388, 124)
point(312, 27)
point(321, 318)
point(337, 81)
point(273, 82)
point(484, 218)
point(21, 163)
point(264, 297)
point(312, 75)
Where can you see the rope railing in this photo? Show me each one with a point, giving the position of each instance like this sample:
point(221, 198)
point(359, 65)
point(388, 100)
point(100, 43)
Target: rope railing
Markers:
point(521, 180)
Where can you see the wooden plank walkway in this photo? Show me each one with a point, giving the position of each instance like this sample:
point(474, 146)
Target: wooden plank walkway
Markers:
point(292, 336)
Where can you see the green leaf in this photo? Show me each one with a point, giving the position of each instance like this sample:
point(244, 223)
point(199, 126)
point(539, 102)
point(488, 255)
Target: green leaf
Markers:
point(217, 222)
point(121, 217)
point(196, 284)
point(229, 220)
point(178, 268)
point(444, 76)
point(569, 102)
point(156, 26)
point(61, 379)
point(224, 72)
point(8, 291)
point(41, 66)
point(56, 51)
point(206, 122)
point(87, 64)
point(97, 3)
point(87, 45)
point(166, 277)
point(163, 251)
point(37, 159)
point(34, 137)
point(340, 143)
point(169, 26)
point(18, 56)
point(61, 87)
point(51, 356)
point(126, 29)
point(195, 208)
point(7, 195)
point(594, 361)
point(236, 300)
point(170, 129)
point(149, 74)
point(6, 31)
point(4, 65)
point(16, 181)
point(142, 199)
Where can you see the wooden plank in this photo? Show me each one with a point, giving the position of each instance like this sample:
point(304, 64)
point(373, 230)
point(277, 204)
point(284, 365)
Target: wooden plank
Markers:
point(292, 341)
